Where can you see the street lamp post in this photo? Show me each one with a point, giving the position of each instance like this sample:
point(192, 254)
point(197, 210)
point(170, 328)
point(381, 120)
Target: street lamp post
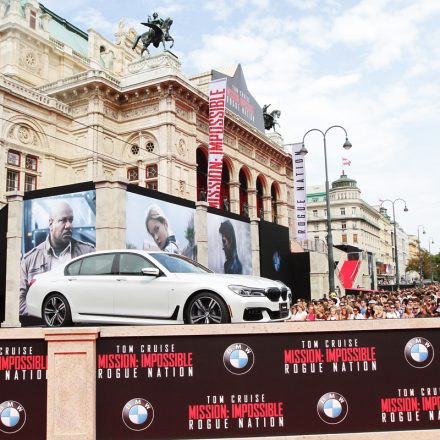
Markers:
point(303, 152)
point(430, 241)
point(420, 250)
point(396, 254)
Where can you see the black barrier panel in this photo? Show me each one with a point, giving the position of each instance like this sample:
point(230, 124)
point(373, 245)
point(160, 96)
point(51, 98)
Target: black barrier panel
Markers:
point(267, 384)
point(275, 252)
point(3, 258)
point(23, 389)
point(299, 268)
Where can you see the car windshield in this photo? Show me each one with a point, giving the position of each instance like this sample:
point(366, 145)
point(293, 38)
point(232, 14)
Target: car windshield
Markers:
point(179, 264)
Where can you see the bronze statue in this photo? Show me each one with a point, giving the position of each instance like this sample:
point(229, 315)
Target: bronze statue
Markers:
point(270, 119)
point(157, 33)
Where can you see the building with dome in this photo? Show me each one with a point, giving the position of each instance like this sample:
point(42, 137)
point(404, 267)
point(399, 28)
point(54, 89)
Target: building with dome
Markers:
point(359, 229)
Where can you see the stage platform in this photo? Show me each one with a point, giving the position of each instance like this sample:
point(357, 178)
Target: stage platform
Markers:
point(322, 380)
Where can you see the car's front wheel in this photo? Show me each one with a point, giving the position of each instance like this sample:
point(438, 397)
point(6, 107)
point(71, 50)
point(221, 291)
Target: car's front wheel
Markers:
point(56, 311)
point(206, 308)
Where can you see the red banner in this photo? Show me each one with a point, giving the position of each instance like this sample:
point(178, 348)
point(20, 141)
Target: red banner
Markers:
point(217, 95)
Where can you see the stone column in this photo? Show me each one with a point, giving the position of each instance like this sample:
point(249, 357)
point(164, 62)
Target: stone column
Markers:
point(255, 238)
point(71, 384)
point(282, 213)
point(142, 172)
point(267, 208)
point(234, 197)
point(13, 246)
point(110, 213)
point(201, 230)
point(252, 202)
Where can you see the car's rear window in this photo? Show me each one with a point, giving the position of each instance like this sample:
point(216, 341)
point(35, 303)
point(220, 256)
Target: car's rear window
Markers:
point(73, 269)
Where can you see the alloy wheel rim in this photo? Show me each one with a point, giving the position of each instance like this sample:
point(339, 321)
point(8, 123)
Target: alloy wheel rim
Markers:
point(205, 310)
point(55, 312)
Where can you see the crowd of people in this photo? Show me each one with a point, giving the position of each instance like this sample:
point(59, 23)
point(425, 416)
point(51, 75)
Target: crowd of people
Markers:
point(418, 302)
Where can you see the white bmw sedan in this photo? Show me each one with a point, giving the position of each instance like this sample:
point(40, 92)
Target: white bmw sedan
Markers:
point(138, 287)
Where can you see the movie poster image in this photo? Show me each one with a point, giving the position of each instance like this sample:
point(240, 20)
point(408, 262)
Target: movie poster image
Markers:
point(229, 245)
point(154, 224)
point(55, 230)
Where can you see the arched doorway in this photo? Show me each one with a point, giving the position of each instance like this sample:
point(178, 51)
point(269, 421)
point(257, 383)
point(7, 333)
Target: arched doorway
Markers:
point(202, 174)
point(225, 201)
point(244, 203)
point(260, 192)
point(274, 197)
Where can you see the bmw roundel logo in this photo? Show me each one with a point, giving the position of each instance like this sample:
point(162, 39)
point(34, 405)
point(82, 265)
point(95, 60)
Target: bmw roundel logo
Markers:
point(138, 414)
point(419, 352)
point(332, 408)
point(276, 261)
point(238, 358)
point(12, 416)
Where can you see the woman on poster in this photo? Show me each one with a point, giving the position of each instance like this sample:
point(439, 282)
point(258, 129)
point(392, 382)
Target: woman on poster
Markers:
point(158, 227)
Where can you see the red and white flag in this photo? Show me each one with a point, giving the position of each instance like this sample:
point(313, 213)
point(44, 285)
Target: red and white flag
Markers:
point(346, 161)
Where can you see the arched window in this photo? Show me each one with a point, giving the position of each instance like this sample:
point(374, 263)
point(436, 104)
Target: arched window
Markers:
point(274, 193)
point(202, 174)
point(244, 204)
point(225, 202)
point(260, 209)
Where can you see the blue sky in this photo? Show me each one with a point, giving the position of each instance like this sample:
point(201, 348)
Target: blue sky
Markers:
point(369, 65)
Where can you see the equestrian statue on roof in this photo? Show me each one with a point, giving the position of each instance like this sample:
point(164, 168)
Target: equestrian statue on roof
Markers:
point(157, 33)
point(270, 119)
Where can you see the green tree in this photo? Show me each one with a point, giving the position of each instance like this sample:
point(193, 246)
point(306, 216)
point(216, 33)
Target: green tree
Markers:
point(414, 264)
point(436, 267)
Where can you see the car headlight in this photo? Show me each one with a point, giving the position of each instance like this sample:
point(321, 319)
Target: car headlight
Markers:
point(247, 291)
point(283, 285)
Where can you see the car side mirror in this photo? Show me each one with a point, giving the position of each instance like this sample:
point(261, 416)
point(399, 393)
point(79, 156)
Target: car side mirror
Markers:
point(150, 271)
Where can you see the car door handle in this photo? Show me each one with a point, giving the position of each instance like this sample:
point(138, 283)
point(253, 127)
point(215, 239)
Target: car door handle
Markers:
point(121, 279)
point(71, 279)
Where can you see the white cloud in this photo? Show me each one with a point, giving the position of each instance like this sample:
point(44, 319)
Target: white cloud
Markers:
point(225, 9)
point(170, 7)
point(314, 31)
point(94, 19)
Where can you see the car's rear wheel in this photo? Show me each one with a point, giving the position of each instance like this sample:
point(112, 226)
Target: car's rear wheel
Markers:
point(56, 311)
point(206, 308)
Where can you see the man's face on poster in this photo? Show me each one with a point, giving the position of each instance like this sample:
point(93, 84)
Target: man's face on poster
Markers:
point(226, 244)
point(60, 224)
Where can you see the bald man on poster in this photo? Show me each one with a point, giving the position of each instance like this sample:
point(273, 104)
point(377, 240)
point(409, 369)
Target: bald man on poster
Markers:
point(58, 248)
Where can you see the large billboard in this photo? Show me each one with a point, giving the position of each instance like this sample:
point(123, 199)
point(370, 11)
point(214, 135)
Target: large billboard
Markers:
point(229, 245)
point(56, 228)
point(155, 224)
point(239, 100)
point(237, 386)
point(23, 389)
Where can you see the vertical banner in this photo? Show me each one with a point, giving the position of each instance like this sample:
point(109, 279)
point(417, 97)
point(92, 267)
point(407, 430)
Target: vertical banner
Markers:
point(23, 389)
point(299, 192)
point(217, 94)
